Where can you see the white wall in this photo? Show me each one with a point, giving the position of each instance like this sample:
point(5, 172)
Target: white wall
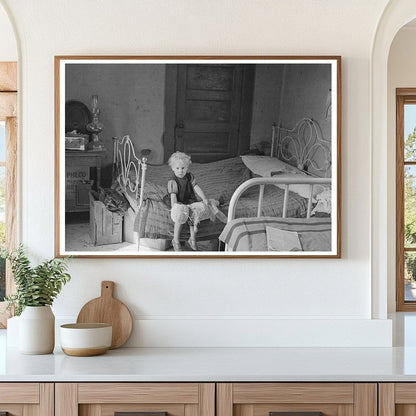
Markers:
point(286, 93)
point(211, 301)
point(8, 45)
point(266, 103)
point(401, 74)
point(305, 93)
point(142, 103)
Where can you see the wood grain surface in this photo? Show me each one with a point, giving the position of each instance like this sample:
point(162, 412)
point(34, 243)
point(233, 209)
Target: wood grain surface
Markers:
point(84, 352)
point(252, 393)
point(109, 310)
point(8, 76)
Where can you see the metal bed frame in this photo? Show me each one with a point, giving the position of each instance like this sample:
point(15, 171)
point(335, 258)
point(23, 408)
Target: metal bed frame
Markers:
point(126, 163)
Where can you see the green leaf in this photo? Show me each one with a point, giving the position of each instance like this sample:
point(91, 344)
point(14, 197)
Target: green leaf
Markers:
point(35, 286)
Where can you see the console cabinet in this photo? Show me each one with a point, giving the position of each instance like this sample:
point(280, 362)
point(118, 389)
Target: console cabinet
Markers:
point(207, 399)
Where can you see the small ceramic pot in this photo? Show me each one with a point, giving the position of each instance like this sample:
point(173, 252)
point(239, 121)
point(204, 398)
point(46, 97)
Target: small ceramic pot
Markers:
point(85, 339)
point(37, 330)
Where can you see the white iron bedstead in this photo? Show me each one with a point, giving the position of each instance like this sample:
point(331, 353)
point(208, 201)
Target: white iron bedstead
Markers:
point(126, 165)
point(301, 145)
point(262, 182)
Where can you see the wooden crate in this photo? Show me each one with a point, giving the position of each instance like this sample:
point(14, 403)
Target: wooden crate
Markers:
point(106, 227)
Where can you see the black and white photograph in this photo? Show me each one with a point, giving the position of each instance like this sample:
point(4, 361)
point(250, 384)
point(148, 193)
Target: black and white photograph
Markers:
point(198, 157)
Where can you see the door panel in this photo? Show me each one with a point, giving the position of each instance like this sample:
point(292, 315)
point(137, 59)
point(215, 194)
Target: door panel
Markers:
point(297, 399)
point(213, 143)
point(210, 77)
point(110, 399)
point(208, 111)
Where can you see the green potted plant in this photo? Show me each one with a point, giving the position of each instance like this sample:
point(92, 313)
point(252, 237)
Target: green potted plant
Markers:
point(36, 289)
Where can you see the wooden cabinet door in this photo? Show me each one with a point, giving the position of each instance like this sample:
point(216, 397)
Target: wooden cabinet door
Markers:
point(26, 399)
point(297, 399)
point(143, 399)
point(397, 399)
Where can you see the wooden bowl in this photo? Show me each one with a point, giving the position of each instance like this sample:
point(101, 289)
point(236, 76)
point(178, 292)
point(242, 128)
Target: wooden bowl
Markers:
point(84, 340)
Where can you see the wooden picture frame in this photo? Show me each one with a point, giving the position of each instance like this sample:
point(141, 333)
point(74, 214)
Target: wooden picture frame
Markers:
point(263, 134)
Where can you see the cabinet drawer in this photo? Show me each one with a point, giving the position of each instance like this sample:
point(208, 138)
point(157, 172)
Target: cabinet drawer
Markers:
point(146, 399)
point(138, 393)
point(297, 399)
point(19, 393)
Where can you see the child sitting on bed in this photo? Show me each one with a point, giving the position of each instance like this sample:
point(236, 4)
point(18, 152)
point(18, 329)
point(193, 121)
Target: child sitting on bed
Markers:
point(185, 205)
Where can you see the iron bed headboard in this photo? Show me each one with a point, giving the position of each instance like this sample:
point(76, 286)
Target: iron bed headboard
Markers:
point(302, 146)
point(130, 170)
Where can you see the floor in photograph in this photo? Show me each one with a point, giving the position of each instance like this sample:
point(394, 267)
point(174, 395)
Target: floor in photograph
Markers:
point(77, 238)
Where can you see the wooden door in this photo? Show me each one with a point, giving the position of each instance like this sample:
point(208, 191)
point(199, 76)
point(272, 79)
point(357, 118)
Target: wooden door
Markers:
point(143, 399)
point(397, 399)
point(27, 399)
point(211, 100)
point(297, 399)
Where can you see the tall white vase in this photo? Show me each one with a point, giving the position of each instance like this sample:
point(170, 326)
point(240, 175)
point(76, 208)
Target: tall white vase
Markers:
point(37, 330)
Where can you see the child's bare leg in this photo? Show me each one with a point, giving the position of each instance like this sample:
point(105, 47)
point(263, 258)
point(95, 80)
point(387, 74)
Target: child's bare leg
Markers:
point(176, 233)
point(192, 232)
point(192, 238)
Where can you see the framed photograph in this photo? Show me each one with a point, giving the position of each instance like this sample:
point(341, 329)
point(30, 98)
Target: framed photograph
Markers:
point(198, 156)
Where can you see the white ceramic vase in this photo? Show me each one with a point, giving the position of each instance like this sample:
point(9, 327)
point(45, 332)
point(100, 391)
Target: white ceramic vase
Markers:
point(12, 334)
point(37, 330)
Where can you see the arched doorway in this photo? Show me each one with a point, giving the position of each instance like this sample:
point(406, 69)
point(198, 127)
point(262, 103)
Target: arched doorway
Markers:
point(396, 15)
point(8, 150)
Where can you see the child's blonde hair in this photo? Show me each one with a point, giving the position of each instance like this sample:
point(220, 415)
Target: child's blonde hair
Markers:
point(179, 156)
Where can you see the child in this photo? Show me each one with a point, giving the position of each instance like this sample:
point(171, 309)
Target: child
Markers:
point(186, 207)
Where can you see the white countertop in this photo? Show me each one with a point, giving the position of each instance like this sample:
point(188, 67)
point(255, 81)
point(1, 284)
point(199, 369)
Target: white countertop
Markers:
point(221, 364)
point(215, 364)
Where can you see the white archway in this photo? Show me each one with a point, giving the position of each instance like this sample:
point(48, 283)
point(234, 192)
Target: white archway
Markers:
point(9, 46)
point(9, 54)
point(396, 15)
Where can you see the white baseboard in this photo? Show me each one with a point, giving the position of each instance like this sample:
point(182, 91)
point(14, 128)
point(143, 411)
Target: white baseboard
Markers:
point(255, 332)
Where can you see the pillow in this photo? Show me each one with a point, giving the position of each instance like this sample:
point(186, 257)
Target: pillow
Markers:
point(306, 240)
point(323, 206)
point(266, 166)
point(282, 240)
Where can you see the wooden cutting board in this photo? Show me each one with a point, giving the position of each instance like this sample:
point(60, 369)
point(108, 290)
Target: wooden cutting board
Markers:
point(108, 310)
